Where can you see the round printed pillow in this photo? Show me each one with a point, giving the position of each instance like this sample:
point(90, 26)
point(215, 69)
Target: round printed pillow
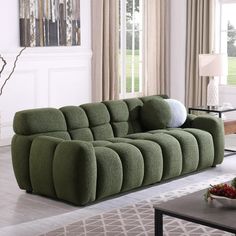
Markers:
point(155, 114)
point(178, 113)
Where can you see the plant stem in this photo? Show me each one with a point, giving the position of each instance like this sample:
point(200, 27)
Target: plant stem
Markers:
point(3, 66)
point(12, 71)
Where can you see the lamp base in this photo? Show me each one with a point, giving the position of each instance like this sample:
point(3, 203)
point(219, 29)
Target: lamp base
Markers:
point(213, 93)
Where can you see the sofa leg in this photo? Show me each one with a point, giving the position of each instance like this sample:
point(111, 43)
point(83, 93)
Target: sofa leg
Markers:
point(213, 166)
point(28, 191)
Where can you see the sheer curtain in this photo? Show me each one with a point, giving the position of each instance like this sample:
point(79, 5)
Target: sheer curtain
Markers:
point(105, 38)
point(200, 31)
point(156, 46)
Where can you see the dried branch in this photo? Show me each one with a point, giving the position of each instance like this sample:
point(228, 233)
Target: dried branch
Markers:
point(3, 66)
point(12, 71)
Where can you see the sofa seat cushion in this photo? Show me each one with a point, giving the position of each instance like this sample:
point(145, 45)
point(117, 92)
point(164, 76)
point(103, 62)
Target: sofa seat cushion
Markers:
point(146, 158)
point(109, 172)
point(152, 158)
point(205, 146)
point(100, 143)
point(132, 165)
point(184, 150)
point(204, 142)
point(171, 152)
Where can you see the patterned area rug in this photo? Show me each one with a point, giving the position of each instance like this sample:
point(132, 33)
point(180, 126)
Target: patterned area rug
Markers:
point(138, 219)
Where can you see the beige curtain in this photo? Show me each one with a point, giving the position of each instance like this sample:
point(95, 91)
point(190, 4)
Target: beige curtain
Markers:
point(156, 47)
point(105, 36)
point(200, 25)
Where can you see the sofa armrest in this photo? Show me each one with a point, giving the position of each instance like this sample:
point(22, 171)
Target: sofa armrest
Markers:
point(61, 169)
point(215, 127)
point(20, 150)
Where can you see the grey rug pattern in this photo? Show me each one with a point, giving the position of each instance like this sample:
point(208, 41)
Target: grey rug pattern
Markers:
point(138, 219)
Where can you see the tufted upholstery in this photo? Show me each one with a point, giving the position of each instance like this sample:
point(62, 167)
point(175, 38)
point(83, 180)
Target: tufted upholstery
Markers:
point(77, 123)
point(88, 122)
point(119, 114)
point(83, 153)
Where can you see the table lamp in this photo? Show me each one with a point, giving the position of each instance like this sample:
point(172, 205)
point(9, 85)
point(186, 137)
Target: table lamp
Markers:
point(213, 65)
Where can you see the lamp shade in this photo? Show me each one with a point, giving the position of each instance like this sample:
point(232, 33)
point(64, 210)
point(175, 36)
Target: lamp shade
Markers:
point(213, 65)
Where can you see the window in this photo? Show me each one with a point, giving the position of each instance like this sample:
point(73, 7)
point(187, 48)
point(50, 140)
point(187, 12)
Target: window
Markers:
point(130, 48)
point(228, 37)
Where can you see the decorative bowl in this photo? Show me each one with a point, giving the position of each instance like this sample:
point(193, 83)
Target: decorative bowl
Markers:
point(227, 202)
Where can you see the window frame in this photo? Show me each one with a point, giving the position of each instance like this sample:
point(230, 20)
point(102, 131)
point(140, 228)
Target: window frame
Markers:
point(223, 79)
point(123, 52)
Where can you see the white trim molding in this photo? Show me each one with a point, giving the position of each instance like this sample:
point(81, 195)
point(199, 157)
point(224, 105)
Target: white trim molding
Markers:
point(42, 78)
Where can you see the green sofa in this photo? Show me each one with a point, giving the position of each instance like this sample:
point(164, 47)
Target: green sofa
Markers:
point(81, 154)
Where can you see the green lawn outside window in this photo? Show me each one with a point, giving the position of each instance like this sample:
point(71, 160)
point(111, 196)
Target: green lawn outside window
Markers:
point(232, 71)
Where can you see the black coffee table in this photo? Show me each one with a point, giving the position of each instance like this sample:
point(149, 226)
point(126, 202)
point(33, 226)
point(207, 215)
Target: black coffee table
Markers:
point(193, 208)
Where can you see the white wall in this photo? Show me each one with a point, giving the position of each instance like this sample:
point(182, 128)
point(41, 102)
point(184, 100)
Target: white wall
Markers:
point(44, 77)
point(177, 49)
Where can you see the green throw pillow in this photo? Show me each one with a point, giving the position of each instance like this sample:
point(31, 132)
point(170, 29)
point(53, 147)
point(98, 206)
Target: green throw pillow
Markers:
point(155, 114)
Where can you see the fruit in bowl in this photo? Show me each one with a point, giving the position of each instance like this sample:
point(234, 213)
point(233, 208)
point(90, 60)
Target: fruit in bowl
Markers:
point(223, 193)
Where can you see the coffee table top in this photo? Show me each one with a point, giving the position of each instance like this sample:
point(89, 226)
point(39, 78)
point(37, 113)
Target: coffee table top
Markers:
point(193, 207)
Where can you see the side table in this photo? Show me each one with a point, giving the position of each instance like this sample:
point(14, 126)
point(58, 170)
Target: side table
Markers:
point(229, 125)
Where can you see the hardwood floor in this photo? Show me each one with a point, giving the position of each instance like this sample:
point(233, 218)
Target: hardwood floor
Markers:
point(27, 214)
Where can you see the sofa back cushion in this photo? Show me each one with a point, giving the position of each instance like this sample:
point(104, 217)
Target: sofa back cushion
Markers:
point(119, 117)
point(100, 121)
point(43, 121)
point(88, 122)
point(134, 107)
point(77, 123)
